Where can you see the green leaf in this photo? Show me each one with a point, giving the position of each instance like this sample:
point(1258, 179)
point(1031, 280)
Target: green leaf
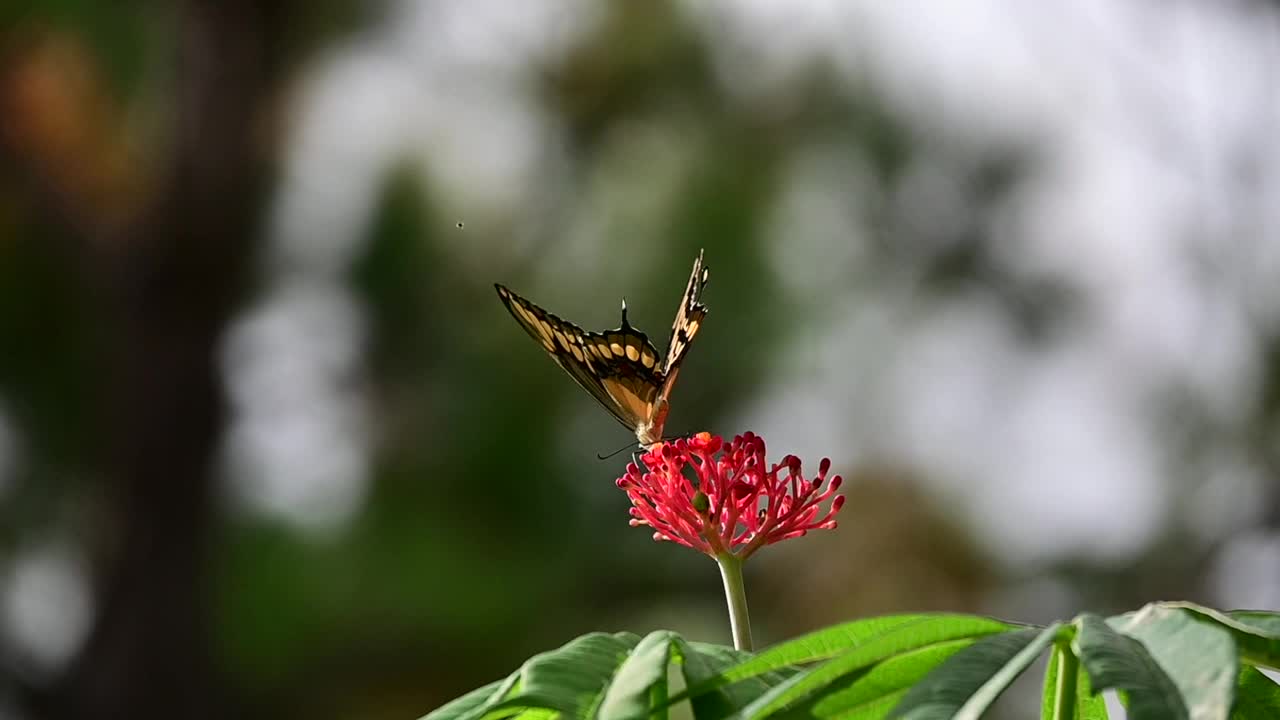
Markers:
point(464, 705)
point(875, 691)
point(832, 641)
point(703, 665)
point(1118, 661)
point(1256, 632)
point(869, 648)
point(1266, 622)
point(1199, 657)
point(513, 712)
point(1090, 705)
point(1049, 699)
point(640, 682)
point(1069, 697)
point(971, 680)
point(1257, 696)
point(574, 677)
point(721, 657)
point(571, 679)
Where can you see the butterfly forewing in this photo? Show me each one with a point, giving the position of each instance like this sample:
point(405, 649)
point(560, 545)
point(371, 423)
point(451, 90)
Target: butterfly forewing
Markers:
point(688, 321)
point(620, 368)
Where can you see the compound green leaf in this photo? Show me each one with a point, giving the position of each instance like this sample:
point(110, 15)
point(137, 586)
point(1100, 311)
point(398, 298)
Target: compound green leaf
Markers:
point(890, 639)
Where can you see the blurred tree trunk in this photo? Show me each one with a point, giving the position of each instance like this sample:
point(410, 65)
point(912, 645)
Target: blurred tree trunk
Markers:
point(172, 279)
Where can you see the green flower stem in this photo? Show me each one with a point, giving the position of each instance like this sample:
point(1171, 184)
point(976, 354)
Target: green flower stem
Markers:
point(735, 594)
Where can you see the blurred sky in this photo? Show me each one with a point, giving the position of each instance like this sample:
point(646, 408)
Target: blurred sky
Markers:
point(1093, 387)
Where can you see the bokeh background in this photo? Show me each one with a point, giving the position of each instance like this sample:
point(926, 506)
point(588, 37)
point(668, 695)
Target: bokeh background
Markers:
point(271, 447)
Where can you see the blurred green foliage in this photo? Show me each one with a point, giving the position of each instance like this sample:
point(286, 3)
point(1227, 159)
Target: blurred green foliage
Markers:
point(486, 536)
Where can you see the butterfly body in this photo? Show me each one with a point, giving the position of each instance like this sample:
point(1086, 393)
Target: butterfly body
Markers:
point(620, 368)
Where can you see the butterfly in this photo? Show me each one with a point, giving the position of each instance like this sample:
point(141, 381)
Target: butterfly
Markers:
point(620, 368)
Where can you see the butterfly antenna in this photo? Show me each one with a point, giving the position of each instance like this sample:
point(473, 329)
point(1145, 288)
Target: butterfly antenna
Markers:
point(624, 448)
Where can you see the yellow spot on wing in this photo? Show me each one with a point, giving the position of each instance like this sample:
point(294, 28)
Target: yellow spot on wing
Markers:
point(617, 349)
point(632, 353)
point(647, 359)
point(577, 353)
point(529, 316)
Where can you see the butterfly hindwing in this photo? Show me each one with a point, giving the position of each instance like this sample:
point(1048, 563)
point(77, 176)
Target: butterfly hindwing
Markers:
point(628, 364)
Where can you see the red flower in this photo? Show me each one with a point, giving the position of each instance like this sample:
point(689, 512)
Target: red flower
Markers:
point(736, 504)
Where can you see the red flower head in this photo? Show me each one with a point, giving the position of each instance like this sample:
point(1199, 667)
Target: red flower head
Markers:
point(737, 504)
